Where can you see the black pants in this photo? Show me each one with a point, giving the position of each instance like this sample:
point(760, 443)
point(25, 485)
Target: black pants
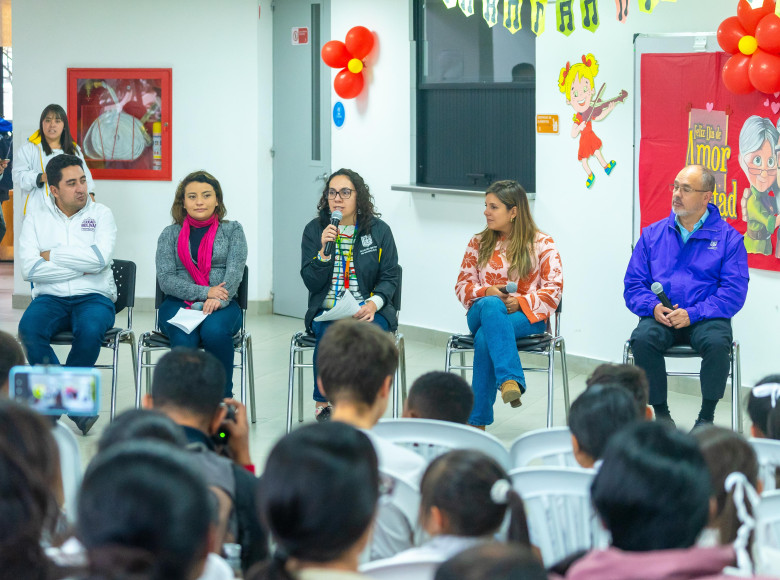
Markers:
point(711, 338)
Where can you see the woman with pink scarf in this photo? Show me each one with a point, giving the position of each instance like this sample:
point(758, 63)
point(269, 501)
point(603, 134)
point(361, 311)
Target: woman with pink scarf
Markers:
point(200, 262)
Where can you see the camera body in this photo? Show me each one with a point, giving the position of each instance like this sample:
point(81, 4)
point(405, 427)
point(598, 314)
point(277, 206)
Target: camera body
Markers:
point(222, 435)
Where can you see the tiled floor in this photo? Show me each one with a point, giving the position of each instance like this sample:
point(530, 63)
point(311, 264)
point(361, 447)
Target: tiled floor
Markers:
point(271, 339)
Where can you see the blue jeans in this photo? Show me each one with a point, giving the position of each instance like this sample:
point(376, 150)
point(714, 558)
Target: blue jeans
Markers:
point(495, 352)
point(319, 329)
point(214, 335)
point(88, 316)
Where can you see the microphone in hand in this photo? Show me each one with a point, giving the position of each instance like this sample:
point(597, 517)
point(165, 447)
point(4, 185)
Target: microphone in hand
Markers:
point(510, 288)
point(658, 290)
point(335, 219)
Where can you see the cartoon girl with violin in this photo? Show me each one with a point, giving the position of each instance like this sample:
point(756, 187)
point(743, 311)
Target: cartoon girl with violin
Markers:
point(576, 82)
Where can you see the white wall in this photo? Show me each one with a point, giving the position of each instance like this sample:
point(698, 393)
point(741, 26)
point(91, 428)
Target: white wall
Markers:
point(221, 109)
point(591, 227)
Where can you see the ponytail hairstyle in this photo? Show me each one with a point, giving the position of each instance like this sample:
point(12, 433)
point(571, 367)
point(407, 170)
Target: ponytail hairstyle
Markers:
point(342, 462)
point(66, 140)
point(761, 401)
point(474, 492)
point(143, 513)
point(520, 243)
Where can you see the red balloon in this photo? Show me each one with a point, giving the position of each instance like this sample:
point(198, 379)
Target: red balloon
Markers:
point(335, 54)
point(729, 33)
point(749, 18)
point(735, 74)
point(348, 84)
point(764, 71)
point(360, 41)
point(768, 33)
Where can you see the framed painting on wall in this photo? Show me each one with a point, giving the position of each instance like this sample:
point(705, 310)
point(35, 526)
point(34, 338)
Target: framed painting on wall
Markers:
point(121, 120)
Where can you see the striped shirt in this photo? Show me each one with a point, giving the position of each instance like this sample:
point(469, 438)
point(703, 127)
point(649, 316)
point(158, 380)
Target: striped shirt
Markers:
point(342, 254)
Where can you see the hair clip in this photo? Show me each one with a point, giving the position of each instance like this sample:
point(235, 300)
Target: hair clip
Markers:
point(586, 61)
point(767, 390)
point(499, 493)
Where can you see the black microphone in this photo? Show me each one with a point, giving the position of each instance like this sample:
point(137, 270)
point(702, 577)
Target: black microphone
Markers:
point(658, 290)
point(510, 288)
point(335, 219)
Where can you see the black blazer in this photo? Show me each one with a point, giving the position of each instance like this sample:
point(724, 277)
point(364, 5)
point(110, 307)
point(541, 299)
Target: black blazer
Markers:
point(375, 276)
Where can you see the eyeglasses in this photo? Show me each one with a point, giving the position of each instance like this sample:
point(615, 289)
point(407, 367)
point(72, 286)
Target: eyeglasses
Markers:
point(343, 193)
point(757, 170)
point(685, 188)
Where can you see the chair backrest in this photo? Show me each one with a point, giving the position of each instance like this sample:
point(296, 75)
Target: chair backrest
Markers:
point(543, 447)
point(768, 527)
point(422, 569)
point(561, 519)
point(768, 452)
point(70, 466)
point(124, 278)
point(430, 438)
point(404, 495)
point(396, 301)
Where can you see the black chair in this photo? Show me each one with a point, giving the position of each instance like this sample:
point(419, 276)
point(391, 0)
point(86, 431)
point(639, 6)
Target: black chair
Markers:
point(544, 344)
point(687, 351)
point(124, 278)
point(242, 345)
point(304, 342)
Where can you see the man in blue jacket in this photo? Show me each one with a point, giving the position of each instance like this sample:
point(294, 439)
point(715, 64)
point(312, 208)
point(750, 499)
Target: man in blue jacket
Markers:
point(702, 264)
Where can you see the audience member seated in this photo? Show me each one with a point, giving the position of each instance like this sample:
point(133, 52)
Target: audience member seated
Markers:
point(11, 355)
point(143, 514)
point(29, 433)
point(725, 452)
point(465, 496)
point(595, 417)
point(629, 377)
point(493, 561)
point(142, 424)
point(318, 497)
point(200, 263)
point(763, 398)
point(773, 424)
point(653, 494)
point(27, 509)
point(356, 363)
point(65, 249)
point(441, 396)
point(187, 387)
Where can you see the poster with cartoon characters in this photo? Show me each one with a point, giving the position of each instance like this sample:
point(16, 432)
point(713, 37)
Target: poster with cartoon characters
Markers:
point(577, 82)
point(736, 137)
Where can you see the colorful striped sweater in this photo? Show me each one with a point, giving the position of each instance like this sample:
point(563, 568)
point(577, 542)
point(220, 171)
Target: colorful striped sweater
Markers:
point(538, 295)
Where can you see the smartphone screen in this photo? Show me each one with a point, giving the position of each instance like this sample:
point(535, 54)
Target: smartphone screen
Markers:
point(57, 390)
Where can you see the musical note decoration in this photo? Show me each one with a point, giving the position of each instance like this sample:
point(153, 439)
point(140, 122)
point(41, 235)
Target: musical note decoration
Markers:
point(450, 3)
point(564, 18)
point(538, 11)
point(512, 20)
point(590, 14)
point(647, 6)
point(622, 10)
point(467, 6)
point(490, 12)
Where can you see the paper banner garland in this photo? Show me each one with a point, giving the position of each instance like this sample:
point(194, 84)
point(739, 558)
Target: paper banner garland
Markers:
point(538, 12)
point(512, 20)
point(622, 10)
point(564, 18)
point(590, 14)
point(450, 3)
point(490, 12)
point(467, 6)
point(647, 5)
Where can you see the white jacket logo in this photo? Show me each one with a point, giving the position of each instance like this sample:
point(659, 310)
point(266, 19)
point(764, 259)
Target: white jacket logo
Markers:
point(366, 240)
point(713, 244)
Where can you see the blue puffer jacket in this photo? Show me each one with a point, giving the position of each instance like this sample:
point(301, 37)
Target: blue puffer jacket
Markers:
point(708, 276)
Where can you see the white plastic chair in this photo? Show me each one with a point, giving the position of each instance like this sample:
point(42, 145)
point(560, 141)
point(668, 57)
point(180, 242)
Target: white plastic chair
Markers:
point(423, 569)
point(430, 438)
point(767, 546)
point(70, 466)
point(396, 525)
point(561, 519)
point(768, 452)
point(543, 447)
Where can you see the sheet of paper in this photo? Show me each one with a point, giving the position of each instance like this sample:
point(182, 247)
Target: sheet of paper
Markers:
point(187, 319)
point(345, 307)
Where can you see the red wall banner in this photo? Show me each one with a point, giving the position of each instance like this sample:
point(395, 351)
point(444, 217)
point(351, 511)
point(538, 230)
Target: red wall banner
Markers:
point(688, 116)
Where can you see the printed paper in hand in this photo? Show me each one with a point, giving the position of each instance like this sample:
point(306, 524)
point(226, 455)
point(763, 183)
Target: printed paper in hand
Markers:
point(187, 320)
point(345, 307)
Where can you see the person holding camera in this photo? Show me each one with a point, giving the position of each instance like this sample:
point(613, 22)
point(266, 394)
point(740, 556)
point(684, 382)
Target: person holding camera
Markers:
point(188, 386)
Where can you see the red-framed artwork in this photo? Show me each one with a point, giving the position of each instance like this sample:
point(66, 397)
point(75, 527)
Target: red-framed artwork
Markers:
point(121, 120)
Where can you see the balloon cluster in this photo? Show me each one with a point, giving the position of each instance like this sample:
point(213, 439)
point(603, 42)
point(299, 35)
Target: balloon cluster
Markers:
point(752, 37)
point(348, 56)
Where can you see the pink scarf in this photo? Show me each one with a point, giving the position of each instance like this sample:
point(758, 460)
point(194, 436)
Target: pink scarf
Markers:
point(200, 272)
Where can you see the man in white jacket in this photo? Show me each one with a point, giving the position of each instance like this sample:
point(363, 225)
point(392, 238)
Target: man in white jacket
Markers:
point(66, 251)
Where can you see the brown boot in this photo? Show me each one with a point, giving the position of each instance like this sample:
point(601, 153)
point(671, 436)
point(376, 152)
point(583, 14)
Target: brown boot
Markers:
point(511, 393)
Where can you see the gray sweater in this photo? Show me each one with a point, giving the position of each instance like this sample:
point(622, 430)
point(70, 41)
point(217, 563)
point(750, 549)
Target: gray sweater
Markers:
point(227, 263)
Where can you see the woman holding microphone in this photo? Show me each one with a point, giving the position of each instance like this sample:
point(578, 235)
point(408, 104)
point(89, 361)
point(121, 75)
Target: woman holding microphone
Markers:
point(357, 256)
point(509, 249)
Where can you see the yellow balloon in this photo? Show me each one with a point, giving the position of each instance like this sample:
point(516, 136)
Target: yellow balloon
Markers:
point(355, 65)
point(748, 45)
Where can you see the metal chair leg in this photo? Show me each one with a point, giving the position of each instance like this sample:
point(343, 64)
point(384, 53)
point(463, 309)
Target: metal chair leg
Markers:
point(736, 385)
point(565, 373)
point(290, 385)
point(462, 364)
point(550, 384)
point(402, 366)
point(148, 372)
point(300, 387)
point(627, 353)
point(251, 377)
point(138, 373)
point(114, 377)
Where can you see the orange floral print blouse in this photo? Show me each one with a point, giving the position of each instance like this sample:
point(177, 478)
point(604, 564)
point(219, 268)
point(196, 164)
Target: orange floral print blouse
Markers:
point(538, 295)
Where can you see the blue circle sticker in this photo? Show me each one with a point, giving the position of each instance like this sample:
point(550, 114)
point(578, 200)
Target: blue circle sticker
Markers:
point(338, 114)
